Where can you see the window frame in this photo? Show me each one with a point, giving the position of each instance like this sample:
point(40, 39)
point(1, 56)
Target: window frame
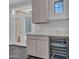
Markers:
point(58, 7)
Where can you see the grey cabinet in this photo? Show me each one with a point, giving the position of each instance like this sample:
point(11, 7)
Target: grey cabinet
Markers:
point(40, 11)
point(31, 45)
point(38, 46)
point(43, 47)
point(35, 11)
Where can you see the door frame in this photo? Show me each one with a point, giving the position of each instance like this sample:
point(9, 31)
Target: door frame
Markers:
point(16, 17)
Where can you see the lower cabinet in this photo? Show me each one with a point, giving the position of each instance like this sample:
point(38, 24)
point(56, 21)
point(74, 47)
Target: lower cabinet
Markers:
point(48, 47)
point(31, 45)
point(43, 47)
point(38, 46)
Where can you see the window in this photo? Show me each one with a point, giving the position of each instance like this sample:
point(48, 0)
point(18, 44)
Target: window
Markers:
point(28, 24)
point(58, 7)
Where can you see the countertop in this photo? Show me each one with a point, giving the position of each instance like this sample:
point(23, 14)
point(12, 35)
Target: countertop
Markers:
point(49, 34)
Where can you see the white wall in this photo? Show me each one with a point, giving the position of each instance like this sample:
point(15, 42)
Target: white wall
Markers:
point(11, 27)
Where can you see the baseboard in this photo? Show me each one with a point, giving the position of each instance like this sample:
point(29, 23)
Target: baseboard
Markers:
point(17, 44)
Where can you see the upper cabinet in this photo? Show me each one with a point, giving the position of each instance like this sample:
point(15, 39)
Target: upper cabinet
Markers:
point(40, 11)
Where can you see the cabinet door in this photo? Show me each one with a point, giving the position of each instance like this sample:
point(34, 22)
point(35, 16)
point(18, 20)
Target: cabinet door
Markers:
point(43, 11)
point(31, 45)
point(39, 11)
point(43, 47)
point(35, 11)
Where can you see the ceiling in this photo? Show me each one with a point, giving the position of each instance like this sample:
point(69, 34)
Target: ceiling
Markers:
point(17, 1)
point(21, 6)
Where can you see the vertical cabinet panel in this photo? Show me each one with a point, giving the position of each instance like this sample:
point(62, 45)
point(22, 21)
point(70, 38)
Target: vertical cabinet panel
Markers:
point(39, 11)
point(43, 47)
point(31, 45)
point(43, 10)
point(35, 11)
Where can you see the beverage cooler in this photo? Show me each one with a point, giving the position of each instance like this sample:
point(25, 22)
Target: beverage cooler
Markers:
point(59, 48)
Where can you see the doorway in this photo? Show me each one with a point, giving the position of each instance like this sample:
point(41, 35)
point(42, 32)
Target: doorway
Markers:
point(23, 25)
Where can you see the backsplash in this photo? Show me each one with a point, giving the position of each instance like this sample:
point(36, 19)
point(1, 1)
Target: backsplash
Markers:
point(53, 26)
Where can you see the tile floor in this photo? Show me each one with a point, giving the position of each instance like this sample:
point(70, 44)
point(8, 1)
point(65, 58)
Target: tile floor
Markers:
point(17, 52)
